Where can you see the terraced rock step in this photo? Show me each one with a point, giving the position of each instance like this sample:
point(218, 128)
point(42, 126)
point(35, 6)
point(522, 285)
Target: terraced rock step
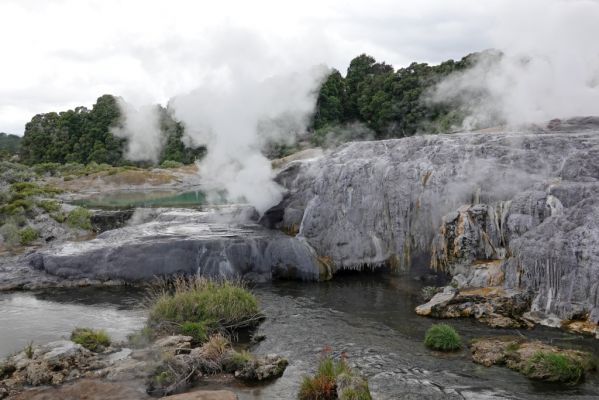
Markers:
point(183, 242)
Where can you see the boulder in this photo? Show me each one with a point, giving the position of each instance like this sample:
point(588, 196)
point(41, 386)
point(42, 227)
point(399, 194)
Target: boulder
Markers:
point(262, 368)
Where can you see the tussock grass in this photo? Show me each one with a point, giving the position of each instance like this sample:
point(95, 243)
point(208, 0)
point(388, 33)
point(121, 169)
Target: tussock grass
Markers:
point(442, 337)
point(198, 307)
point(554, 367)
point(334, 379)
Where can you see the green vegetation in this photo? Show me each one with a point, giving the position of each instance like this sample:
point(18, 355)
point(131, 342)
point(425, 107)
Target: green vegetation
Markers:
point(9, 145)
point(171, 164)
point(84, 136)
point(49, 206)
point(554, 367)
point(27, 235)
point(442, 337)
point(28, 350)
point(389, 103)
point(79, 218)
point(334, 379)
point(197, 330)
point(91, 339)
point(198, 307)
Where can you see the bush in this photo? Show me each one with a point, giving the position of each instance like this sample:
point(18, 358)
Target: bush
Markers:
point(49, 168)
point(17, 207)
point(442, 337)
point(27, 235)
point(213, 304)
point(10, 233)
point(554, 367)
point(79, 218)
point(49, 206)
point(171, 164)
point(91, 339)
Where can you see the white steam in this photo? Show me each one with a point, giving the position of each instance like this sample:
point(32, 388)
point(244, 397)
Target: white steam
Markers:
point(141, 127)
point(236, 120)
point(549, 68)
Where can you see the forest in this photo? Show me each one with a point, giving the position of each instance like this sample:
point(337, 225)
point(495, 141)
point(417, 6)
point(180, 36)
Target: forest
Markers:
point(372, 101)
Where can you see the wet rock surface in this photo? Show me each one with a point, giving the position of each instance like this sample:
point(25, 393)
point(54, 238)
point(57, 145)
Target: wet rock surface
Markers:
point(182, 242)
point(167, 366)
point(523, 356)
point(496, 307)
point(525, 201)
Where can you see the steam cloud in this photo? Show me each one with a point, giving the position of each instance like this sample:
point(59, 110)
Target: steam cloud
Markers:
point(235, 122)
point(141, 127)
point(549, 68)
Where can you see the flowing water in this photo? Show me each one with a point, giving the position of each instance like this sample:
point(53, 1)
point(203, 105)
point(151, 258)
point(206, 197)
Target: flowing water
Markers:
point(368, 316)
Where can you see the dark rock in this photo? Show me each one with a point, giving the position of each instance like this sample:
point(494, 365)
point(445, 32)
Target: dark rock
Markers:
point(105, 220)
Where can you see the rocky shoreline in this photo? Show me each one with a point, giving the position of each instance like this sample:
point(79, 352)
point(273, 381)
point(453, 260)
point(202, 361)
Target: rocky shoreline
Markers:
point(61, 362)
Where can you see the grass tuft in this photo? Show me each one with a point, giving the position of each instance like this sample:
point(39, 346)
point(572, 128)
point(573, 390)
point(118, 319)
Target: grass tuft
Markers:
point(334, 379)
point(199, 306)
point(91, 339)
point(442, 337)
point(554, 367)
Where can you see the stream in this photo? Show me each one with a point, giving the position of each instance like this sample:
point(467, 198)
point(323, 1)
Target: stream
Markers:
point(368, 316)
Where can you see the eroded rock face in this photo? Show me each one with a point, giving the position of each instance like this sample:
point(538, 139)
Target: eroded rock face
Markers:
point(183, 242)
point(526, 202)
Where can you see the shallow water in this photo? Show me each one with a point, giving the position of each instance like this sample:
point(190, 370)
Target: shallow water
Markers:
point(45, 316)
point(150, 198)
point(369, 317)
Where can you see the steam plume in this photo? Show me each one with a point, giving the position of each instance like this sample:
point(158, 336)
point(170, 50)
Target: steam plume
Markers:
point(234, 121)
point(549, 68)
point(141, 127)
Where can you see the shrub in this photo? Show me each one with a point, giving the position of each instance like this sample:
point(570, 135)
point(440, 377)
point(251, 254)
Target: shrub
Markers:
point(59, 217)
point(171, 164)
point(214, 304)
point(10, 233)
point(91, 339)
point(49, 206)
point(442, 337)
point(17, 207)
point(79, 218)
point(27, 235)
point(554, 367)
point(49, 168)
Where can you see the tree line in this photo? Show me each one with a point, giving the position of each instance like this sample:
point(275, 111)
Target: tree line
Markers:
point(389, 103)
point(84, 136)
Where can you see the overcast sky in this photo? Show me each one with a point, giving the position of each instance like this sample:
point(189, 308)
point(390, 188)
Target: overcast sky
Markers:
point(63, 53)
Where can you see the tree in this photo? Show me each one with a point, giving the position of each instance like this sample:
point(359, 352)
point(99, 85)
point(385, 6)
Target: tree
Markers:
point(331, 101)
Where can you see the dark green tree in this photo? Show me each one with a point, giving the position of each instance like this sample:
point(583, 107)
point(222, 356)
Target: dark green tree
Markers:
point(331, 101)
